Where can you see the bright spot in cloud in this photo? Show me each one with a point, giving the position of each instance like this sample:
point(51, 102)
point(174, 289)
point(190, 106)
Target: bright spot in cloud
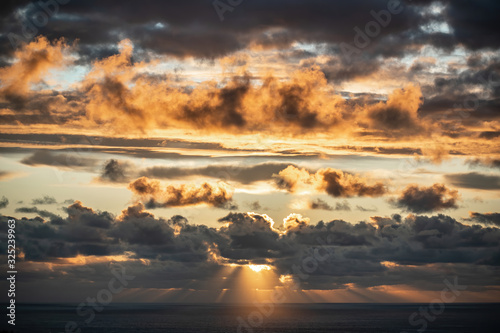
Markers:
point(258, 268)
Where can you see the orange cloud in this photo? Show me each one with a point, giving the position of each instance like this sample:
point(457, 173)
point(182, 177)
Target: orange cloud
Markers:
point(31, 63)
point(295, 222)
point(334, 182)
point(216, 195)
point(399, 114)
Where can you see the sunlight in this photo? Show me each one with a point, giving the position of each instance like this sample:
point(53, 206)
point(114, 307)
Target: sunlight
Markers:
point(258, 268)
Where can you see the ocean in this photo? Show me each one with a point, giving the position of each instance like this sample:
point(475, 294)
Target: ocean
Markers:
point(341, 318)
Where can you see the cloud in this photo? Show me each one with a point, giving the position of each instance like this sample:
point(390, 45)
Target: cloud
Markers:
point(399, 114)
point(135, 211)
point(31, 62)
point(115, 96)
point(5, 175)
point(216, 195)
point(195, 30)
point(249, 236)
point(46, 200)
point(295, 222)
point(418, 199)
point(228, 172)
point(116, 171)
point(358, 253)
point(474, 180)
point(323, 205)
point(61, 160)
point(39, 212)
point(124, 171)
point(336, 183)
point(4, 202)
point(239, 105)
point(486, 218)
point(255, 205)
point(364, 209)
point(475, 35)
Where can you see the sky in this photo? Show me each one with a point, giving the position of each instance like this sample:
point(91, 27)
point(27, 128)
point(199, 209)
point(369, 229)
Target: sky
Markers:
point(222, 151)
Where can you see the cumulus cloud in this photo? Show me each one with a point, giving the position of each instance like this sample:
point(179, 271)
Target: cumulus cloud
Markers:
point(294, 222)
point(358, 253)
point(399, 114)
point(151, 191)
point(336, 183)
point(115, 96)
point(418, 199)
point(135, 211)
point(299, 103)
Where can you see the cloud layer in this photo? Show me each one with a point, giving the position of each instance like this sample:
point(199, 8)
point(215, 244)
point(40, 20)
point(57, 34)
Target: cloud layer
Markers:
point(385, 251)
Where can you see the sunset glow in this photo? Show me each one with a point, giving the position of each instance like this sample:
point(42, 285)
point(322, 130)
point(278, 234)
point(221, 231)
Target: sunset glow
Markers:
point(311, 151)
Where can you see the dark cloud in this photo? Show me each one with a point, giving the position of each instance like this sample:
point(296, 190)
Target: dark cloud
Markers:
point(150, 191)
point(251, 236)
point(39, 212)
point(486, 162)
point(470, 31)
point(386, 251)
point(255, 205)
point(109, 141)
point(163, 27)
point(4, 202)
point(474, 180)
point(490, 135)
point(116, 171)
point(46, 200)
point(364, 209)
point(62, 160)
point(418, 199)
point(339, 70)
point(323, 205)
point(486, 218)
point(241, 173)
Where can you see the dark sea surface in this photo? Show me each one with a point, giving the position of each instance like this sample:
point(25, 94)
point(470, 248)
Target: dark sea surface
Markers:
point(348, 318)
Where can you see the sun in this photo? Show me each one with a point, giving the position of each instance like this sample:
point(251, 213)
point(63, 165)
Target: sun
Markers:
point(258, 268)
